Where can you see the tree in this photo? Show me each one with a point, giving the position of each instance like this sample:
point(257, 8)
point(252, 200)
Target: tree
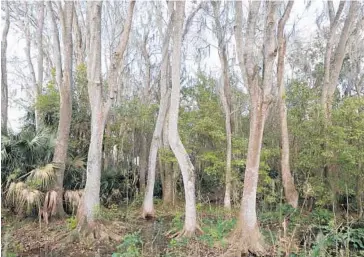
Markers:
point(39, 40)
point(64, 81)
point(225, 97)
point(248, 235)
point(90, 202)
point(148, 207)
point(4, 74)
point(175, 142)
point(288, 182)
point(334, 57)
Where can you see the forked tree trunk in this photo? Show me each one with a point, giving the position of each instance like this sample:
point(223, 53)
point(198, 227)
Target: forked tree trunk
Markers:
point(290, 191)
point(248, 235)
point(90, 202)
point(176, 145)
point(4, 73)
point(65, 112)
point(148, 206)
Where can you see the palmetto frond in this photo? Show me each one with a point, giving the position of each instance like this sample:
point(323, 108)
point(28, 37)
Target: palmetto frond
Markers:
point(77, 162)
point(23, 197)
point(44, 177)
point(73, 198)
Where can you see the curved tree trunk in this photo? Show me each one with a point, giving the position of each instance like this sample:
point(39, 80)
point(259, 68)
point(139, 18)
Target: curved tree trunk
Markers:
point(290, 191)
point(4, 73)
point(148, 207)
point(176, 145)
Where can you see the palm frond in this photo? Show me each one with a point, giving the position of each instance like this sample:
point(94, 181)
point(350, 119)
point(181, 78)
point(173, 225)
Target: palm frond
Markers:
point(44, 177)
point(73, 198)
point(14, 191)
point(29, 198)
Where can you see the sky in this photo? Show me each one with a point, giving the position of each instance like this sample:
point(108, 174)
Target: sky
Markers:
point(305, 26)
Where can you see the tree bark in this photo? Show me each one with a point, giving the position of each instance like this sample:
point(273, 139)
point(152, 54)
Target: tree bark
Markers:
point(249, 238)
point(90, 202)
point(65, 111)
point(38, 85)
point(148, 206)
point(290, 191)
point(225, 97)
point(91, 198)
point(176, 145)
point(4, 73)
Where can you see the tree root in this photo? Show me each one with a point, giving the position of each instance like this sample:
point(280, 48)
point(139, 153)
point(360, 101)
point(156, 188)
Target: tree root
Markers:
point(245, 245)
point(148, 215)
point(184, 233)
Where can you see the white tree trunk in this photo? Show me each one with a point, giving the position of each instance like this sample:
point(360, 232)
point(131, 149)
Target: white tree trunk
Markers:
point(4, 73)
point(176, 145)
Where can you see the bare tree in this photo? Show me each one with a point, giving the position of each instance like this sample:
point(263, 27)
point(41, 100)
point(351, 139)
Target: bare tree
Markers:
point(225, 97)
point(175, 143)
point(39, 83)
point(148, 206)
point(4, 74)
point(64, 81)
point(248, 237)
point(288, 182)
point(335, 52)
point(99, 108)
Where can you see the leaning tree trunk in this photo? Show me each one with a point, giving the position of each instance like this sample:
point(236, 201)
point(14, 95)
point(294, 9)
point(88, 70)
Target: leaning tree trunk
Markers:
point(148, 206)
point(4, 73)
point(65, 111)
point(176, 145)
point(290, 191)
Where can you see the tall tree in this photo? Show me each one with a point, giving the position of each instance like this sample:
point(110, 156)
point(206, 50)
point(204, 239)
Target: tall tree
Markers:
point(148, 206)
point(39, 40)
point(4, 73)
point(290, 191)
point(249, 238)
point(334, 57)
point(99, 108)
point(64, 81)
point(225, 96)
point(175, 142)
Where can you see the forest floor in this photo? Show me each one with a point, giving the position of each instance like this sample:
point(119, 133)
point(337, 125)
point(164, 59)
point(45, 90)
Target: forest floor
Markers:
point(149, 238)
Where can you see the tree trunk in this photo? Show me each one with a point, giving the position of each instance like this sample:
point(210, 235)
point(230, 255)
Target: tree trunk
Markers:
point(249, 238)
point(148, 206)
point(334, 57)
point(87, 211)
point(168, 184)
point(225, 97)
point(143, 163)
point(4, 73)
point(176, 145)
point(290, 191)
point(91, 198)
point(65, 112)
point(38, 85)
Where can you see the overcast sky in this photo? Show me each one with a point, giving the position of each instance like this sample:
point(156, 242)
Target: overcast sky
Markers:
point(305, 26)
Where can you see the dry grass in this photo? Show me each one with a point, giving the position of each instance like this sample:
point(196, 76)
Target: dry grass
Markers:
point(23, 197)
point(73, 198)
